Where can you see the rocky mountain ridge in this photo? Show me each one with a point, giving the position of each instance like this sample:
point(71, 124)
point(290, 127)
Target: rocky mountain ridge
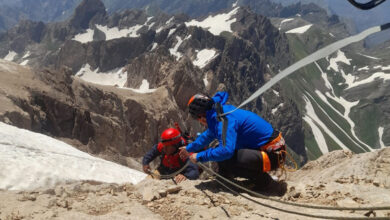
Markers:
point(101, 120)
point(173, 46)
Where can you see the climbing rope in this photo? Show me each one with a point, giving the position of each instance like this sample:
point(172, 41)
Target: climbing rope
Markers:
point(169, 176)
point(290, 203)
point(296, 212)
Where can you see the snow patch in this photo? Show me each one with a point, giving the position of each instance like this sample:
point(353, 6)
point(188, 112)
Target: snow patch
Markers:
point(380, 131)
point(382, 67)
point(171, 31)
point(374, 58)
point(284, 21)
point(363, 68)
point(10, 56)
point(114, 33)
point(318, 136)
point(339, 58)
point(37, 160)
point(114, 77)
point(204, 57)
point(216, 24)
point(372, 78)
point(24, 63)
point(346, 104)
point(28, 53)
point(148, 20)
point(169, 21)
point(205, 81)
point(85, 37)
point(144, 88)
point(173, 51)
point(311, 114)
point(324, 77)
point(274, 110)
point(154, 46)
point(299, 30)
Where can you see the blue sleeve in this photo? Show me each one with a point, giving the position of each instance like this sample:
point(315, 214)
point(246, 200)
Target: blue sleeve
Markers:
point(201, 141)
point(191, 171)
point(221, 152)
point(150, 155)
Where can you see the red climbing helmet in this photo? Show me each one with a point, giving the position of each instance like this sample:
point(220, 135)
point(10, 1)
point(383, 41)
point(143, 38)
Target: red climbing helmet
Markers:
point(171, 137)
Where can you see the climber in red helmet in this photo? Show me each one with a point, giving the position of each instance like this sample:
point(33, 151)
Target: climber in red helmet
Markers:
point(171, 140)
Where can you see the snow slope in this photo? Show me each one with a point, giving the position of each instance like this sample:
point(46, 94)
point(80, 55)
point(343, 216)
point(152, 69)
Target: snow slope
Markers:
point(216, 24)
point(30, 160)
point(113, 77)
point(299, 30)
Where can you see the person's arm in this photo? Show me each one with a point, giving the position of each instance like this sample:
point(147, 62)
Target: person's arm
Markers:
point(191, 171)
point(221, 152)
point(201, 141)
point(149, 157)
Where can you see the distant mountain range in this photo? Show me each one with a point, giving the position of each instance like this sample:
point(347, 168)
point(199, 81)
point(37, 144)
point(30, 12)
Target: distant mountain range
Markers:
point(12, 12)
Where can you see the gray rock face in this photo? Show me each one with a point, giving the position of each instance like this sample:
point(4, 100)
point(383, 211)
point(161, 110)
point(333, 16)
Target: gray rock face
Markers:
point(108, 121)
point(88, 12)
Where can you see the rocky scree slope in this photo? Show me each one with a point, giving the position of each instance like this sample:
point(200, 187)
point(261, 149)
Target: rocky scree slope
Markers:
point(362, 181)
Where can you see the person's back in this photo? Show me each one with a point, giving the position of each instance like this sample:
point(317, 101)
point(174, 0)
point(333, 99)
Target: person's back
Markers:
point(252, 130)
point(248, 145)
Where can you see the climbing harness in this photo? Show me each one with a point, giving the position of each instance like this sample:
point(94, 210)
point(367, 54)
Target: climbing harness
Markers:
point(321, 53)
point(366, 6)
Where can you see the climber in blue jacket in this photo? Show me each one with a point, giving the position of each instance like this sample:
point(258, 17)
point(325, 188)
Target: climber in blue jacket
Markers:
point(248, 147)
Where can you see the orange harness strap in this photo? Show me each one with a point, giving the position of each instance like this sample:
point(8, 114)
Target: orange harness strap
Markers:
point(275, 144)
point(266, 162)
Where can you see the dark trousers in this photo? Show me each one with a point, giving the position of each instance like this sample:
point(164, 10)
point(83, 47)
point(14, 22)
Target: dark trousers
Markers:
point(247, 163)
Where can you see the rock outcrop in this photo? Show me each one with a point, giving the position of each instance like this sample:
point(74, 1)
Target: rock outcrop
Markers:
point(105, 121)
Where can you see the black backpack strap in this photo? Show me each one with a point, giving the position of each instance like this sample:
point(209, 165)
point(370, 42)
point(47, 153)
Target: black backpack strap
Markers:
point(223, 119)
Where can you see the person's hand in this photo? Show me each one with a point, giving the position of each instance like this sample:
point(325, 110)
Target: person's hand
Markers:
point(183, 153)
point(193, 158)
point(146, 168)
point(180, 178)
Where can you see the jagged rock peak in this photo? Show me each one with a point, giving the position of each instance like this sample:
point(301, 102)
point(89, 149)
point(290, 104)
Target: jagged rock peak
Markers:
point(88, 11)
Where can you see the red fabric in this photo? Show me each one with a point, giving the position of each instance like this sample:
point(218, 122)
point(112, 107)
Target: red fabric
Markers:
point(170, 161)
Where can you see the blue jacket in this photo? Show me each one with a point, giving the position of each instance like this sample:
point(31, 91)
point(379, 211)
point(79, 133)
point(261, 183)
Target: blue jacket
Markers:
point(245, 130)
